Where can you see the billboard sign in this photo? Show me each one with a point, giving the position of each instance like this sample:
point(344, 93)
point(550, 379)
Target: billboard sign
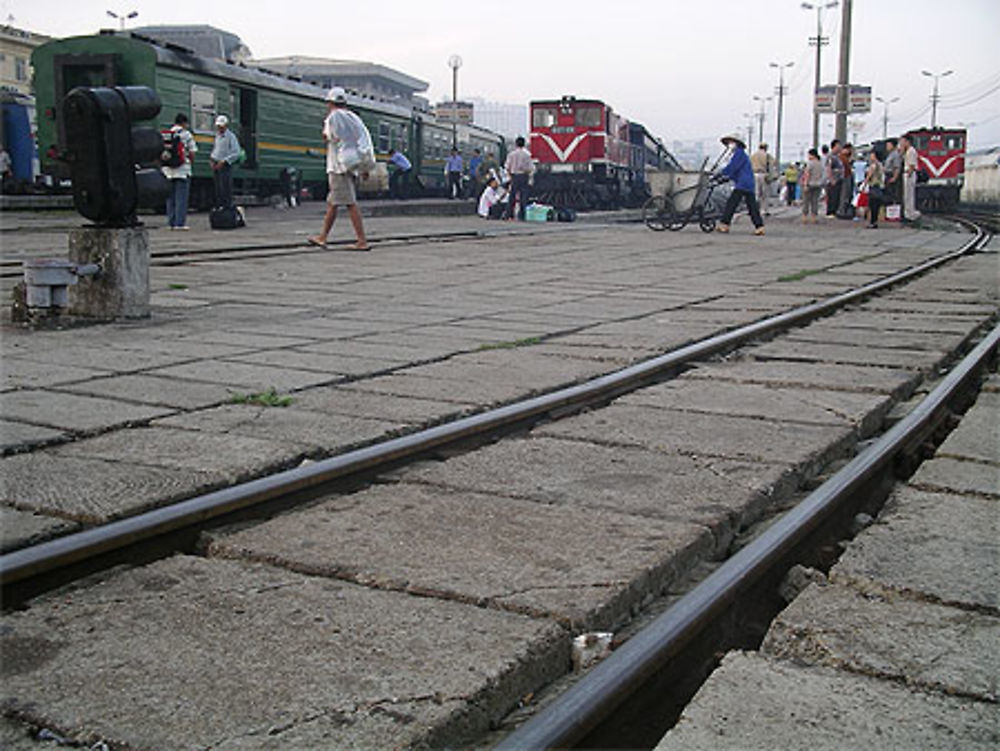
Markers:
point(860, 99)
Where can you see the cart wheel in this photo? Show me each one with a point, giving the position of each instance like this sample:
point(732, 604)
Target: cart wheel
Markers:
point(657, 213)
point(707, 225)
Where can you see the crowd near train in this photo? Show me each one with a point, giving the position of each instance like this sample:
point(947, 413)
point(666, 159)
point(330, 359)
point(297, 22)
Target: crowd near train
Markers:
point(585, 154)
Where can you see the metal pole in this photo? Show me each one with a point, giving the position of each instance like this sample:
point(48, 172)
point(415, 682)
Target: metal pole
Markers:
point(819, 55)
point(843, 80)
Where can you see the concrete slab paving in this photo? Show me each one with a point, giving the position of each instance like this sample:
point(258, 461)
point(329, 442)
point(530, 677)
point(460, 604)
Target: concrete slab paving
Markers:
point(19, 373)
point(754, 704)
point(896, 383)
point(816, 406)
point(795, 445)
point(891, 357)
point(73, 412)
point(92, 491)
point(721, 494)
point(223, 654)
point(286, 426)
point(156, 391)
point(227, 457)
point(585, 567)
point(915, 643)
point(21, 528)
point(945, 474)
point(19, 436)
point(831, 332)
point(942, 547)
point(977, 436)
point(357, 402)
point(253, 378)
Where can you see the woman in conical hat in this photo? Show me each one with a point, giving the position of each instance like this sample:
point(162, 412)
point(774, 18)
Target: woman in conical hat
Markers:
point(741, 173)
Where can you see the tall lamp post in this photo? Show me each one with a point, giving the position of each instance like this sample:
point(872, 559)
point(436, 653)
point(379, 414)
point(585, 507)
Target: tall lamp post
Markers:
point(819, 41)
point(781, 99)
point(454, 62)
point(750, 117)
point(934, 97)
point(123, 17)
point(760, 116)
point(885, 114)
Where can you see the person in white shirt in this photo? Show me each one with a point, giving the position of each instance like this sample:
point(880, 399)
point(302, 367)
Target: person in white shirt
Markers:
point(520, 166)
point(910, 164)
point(491, 204)
point(347, 139)
point(180, 176)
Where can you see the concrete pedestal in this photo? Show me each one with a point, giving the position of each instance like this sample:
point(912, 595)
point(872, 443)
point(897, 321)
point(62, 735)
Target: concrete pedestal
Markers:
point(121, 289)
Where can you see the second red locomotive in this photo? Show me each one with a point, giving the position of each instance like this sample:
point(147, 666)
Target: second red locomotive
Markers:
point(941, 154)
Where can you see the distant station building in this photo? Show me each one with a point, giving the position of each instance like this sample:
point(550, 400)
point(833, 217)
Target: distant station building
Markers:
point(455, 112)
point(368, 79)
point(509, 120)
point(203, 40)
point(15, 58)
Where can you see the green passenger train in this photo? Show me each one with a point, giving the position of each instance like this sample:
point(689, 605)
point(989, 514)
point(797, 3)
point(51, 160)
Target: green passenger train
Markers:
point(277, 119)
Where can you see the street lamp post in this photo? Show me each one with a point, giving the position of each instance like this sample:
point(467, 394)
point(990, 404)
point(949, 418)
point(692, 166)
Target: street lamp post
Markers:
point(454, 62)
point(819, 41)
point(781, 98)
point(885, 114)
point(760, 116)
point(750, 117)
point(934, 97)
point(123, 17)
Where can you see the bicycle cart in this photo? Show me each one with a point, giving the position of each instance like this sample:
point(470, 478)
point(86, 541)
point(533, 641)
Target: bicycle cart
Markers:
point(679, 197)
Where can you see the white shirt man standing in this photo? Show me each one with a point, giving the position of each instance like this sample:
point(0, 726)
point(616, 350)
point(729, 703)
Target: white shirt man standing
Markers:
point(910, 164)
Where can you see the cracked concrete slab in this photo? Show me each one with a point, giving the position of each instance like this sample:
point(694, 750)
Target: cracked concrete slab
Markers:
point(795, 445)
point(892, 357)
point(289, 426)
point(356, 402)
point(977, 436)
point(92, 491)
point(154, 390)
point(721, 494)
point(224, 654)
point(863, 411)
point(841, 377)
point(586, 567)
point(18, 373)
point(19, 436)
point(945, 474)
point(19, 529)
point(754, 704)
point(74, 413)
point(921, 644)
point(943, 547)
point(241, 375)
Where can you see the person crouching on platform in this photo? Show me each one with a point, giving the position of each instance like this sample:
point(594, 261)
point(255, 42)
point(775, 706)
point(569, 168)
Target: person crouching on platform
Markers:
point(741, 173)
point(491, 202)
point(343, 131)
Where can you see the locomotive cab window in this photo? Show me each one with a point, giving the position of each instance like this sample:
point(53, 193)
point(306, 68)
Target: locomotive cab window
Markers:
point(953, 142)
point(588, 117)
point(543, 117)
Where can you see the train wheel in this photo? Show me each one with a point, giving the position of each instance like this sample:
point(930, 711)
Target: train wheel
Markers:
point(658, 214)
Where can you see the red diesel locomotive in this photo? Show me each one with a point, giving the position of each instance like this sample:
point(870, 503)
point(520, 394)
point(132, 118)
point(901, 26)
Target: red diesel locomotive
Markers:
point(589, 156)
point(941, 154)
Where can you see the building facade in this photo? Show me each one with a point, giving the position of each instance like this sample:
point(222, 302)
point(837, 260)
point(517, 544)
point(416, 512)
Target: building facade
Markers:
point(15, 58)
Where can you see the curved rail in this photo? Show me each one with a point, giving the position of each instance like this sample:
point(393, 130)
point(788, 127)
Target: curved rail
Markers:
point(601, 691)
point(20, 565)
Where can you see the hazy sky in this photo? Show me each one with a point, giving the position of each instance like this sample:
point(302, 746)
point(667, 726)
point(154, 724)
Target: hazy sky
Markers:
point(687, 69)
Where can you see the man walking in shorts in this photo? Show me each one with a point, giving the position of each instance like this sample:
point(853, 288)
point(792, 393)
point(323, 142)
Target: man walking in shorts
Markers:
point(343, 132)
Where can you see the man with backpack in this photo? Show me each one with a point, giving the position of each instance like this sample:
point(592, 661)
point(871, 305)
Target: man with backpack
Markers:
point(178, 155)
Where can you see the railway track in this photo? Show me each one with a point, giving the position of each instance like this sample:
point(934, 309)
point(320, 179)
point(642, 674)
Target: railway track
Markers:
point(27, 572)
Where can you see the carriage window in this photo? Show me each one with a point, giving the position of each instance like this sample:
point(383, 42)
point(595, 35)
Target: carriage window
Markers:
point(202, 109)
point(588, 117)
point(383, 137)
point(954, 142)
point(543, 117)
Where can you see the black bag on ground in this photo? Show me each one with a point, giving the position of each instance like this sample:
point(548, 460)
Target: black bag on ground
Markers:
point(226, 217)
point(565, 215)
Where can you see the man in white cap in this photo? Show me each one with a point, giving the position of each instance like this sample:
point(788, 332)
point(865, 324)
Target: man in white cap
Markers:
point(225, 153)
point(348, 151)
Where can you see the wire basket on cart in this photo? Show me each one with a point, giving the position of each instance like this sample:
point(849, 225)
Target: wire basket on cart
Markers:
point(678, 197)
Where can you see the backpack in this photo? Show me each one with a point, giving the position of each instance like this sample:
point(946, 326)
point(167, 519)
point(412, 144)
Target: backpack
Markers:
point(173, 149)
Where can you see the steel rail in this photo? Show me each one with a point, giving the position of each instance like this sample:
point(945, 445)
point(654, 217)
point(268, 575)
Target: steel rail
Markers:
point(44, 557)
point(595, 697)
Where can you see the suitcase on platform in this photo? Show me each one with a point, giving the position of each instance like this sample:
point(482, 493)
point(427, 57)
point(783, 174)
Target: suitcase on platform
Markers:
point(226, 217)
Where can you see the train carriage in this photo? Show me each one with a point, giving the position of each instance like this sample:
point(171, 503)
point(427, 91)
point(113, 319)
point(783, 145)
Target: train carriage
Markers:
point(277, 119)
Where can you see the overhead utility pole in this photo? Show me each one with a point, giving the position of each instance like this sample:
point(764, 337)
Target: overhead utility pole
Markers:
point(843, 80)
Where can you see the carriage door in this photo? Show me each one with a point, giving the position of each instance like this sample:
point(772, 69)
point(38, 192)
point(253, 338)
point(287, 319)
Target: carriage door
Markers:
point(248, 126)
